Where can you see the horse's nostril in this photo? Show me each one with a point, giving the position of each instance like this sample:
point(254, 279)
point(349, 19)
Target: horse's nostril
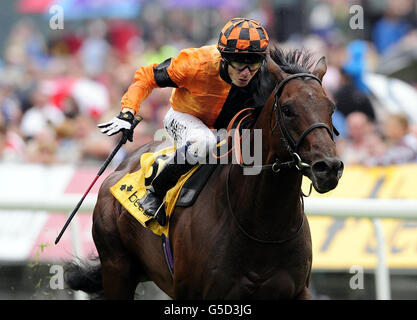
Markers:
point(327, 166)
point(320, 167)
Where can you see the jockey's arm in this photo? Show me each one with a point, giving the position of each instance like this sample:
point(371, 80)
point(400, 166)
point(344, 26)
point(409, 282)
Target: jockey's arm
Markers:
point(170, 73)
point(138, 91)
point(128, 110)
point(141, 87)
point(173, 72)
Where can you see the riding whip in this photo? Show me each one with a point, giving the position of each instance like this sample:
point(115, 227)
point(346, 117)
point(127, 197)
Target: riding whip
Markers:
point(122, 141)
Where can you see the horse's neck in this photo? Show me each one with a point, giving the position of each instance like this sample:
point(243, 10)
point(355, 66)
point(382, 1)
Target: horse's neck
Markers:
point(268, 204)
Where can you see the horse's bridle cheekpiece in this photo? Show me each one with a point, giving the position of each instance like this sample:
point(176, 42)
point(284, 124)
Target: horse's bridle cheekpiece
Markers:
point(291, 144)
point(292, 147)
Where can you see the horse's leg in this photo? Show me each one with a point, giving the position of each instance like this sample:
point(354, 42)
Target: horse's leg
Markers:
point(305, 294)
point(119, 269)
point(119, 278)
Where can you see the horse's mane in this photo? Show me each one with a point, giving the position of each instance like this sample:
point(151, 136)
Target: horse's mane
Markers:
point(292, 61)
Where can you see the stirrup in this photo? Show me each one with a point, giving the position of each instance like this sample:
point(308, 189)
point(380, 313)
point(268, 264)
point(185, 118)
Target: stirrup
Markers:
point(161, 217)
point(153, 199)
point(161, 220)
point(157, 211)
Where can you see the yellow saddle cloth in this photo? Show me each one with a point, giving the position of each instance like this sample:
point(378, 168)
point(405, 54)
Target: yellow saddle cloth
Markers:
point(132, 187)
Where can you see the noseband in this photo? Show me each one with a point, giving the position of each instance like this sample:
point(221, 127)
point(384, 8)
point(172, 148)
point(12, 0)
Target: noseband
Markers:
point(292, 144)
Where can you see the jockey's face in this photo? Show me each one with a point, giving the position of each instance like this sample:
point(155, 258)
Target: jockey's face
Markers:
point(241, 78)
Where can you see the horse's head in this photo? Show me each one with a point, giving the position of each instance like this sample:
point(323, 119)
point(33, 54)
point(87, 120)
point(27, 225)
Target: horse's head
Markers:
point(302, 118)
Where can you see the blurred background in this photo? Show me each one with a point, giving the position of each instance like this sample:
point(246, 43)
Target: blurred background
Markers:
point(65, 64)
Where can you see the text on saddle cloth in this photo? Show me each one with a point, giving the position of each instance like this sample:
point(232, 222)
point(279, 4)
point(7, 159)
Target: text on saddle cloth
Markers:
point(132, 187)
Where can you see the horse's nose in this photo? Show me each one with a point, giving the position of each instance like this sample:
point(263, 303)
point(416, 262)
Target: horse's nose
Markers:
point(328, 166)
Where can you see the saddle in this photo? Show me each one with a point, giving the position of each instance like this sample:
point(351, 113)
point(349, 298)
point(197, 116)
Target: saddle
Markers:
point(132, 187)
point(192, 187)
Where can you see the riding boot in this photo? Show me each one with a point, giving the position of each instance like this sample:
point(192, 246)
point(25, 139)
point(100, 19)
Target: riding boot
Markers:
point(152, 203)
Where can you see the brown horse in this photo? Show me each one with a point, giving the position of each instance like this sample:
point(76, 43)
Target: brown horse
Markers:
point(246, 236)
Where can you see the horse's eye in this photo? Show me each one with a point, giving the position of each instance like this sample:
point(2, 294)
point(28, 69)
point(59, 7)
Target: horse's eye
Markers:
point(287, 111)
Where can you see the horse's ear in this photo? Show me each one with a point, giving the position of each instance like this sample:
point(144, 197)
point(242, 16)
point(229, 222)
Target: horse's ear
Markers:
point(320, 68)
point(274, 69)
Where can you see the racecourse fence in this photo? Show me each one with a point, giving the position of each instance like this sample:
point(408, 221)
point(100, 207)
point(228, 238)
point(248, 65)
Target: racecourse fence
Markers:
point(373, 209)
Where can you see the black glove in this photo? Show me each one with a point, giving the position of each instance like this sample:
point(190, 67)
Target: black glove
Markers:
point(123, 122)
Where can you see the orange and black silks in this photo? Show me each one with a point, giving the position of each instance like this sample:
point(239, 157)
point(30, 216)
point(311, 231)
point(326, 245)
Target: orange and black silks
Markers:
point(202, 87)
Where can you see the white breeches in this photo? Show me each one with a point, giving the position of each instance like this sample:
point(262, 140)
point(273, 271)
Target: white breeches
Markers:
point(187, 129)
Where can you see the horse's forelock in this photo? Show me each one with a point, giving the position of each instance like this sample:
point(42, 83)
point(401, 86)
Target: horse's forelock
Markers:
point(292, 61)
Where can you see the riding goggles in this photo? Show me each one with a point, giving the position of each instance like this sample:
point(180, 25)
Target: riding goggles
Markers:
point(240, 66)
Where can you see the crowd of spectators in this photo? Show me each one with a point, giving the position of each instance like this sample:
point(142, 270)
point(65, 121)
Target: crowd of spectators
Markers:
point(56, 87)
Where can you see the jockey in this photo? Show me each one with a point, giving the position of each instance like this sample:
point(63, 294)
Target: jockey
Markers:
point(211, 84)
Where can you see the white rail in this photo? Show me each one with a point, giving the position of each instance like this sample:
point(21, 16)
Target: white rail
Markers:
point(61, 204)
point(332, 207)
point(373, 209)
point(362, 208)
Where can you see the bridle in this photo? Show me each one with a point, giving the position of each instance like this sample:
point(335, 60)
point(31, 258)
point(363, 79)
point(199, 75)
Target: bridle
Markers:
point(292, 146)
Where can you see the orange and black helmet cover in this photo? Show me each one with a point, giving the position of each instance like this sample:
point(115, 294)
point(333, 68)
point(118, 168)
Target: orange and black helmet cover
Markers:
point(241, 35)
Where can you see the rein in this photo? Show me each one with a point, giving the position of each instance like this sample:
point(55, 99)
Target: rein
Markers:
point(252, 237)
point(289, 141)
point(291, 145)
